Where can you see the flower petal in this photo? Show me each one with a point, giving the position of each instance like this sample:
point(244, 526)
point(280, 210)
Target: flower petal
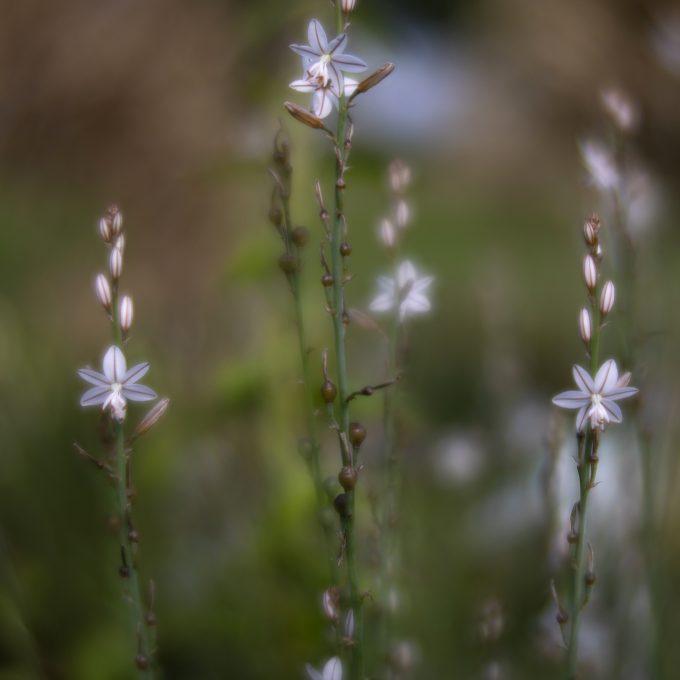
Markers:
point(93, 377)
point(582, 379)
point(317, 37)
point(606, 377)
point(382, 302)
point(312, 673)
point(114, 364)
point(136, 392)
point(571, 399)
point(306, 52)
point(422, 284)
point(322, 103)
point(350, 63)
point(95, 395)
point(337, 46)
point(332, 670)
point(581, 418)
point(620, 393)
point(136, 373)
point(416, 302)
point(302, 86)
point(350, 86)
point(613, 410)
point(406, 273)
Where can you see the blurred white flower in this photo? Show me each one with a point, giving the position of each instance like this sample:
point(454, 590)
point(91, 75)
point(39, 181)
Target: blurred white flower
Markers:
point(324, 63)
point(596, 398)
point(621, 109)
point(332, 670)
point(116, 384)
point(600, 165)
point(407, 292)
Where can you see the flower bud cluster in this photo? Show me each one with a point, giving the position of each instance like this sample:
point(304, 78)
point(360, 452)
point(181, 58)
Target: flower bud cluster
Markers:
point(399, 175)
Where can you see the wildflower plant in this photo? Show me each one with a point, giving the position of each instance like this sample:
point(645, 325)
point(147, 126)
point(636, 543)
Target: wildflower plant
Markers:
point(325, 64)
point(111, 390)
point(599, 389)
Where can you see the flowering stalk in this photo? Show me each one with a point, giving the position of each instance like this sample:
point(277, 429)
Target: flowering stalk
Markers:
point(596, 401)
point(294, 240)
point(112, 389)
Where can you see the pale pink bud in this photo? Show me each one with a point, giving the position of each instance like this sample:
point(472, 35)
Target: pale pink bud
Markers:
point(116, 263)
point(584, 325)
point(125, 313)
point(403, 214)
point(590, 272)
point(329, 603)
point(349, 625)
point(400, 176)
point(105, 229)
point(388, 234)
point(624, 379)
point(103, 291)
point(348, 5)
point(607, 298)
point(120, 244)
point(117, 221)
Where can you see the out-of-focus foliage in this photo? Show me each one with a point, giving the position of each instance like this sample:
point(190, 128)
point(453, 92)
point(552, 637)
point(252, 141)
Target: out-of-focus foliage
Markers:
point(168, 108)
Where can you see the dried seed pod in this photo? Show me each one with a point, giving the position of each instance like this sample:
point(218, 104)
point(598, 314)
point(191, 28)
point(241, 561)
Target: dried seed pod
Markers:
point(327, 280)
point(348, 478)
point(288, 263)
point(303, 116)
point(345, 249)
point(142, 662)
point(342, 505)
point(329, 391)
point(357, 434)
point(300, 236)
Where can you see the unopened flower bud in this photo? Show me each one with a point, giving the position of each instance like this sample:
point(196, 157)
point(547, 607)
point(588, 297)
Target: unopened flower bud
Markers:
point(105, 229)
point(328, 392)
point(590, 272)
point(156, 412)
point(607, 298)
point(116, 263)
point(125, 313)
point(348, 5)
point(400, 176)
point(349, 625)
point(117, 221)
point(357, 433)
point(584, 326)
point(371, 81)
point(103, 291)
point(403, 214)
point(388, 234)
point(303, 116)
point(329, 602)
point(589, 234)
point(347, 478)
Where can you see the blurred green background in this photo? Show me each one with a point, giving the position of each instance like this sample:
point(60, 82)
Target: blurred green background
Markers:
point(169, 108)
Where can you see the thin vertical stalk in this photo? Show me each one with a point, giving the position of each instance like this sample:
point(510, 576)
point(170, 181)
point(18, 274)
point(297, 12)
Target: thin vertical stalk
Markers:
point(128, 569)
point(587, 468)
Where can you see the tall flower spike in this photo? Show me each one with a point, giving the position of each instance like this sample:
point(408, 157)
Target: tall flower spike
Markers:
point(596, 397)
point(115, 385)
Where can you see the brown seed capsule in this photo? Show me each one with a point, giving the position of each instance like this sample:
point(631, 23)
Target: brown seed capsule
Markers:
point(340, 184)
point(590, 578)
point(328, 392)
point(357, 433)
point(142, 662)
point(347, 478)
point(341, 505)
point(300, 236)
point(345, 249)
point(133, 536)
point(327, 280)
point(150, 619)
point(562, 617)
point(288, 263)
point(276, 217)
point(304, 116)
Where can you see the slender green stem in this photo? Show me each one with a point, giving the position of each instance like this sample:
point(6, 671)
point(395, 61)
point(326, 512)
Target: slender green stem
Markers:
point(587, 468)
point(128, 568)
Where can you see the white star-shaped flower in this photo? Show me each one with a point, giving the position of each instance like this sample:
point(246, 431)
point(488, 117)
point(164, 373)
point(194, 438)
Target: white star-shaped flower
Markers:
point(407, 292)
point(115, 385)
point(323, 63)
point(596, 397)
point(332, 670)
